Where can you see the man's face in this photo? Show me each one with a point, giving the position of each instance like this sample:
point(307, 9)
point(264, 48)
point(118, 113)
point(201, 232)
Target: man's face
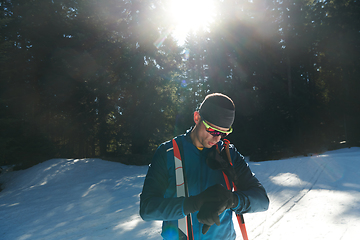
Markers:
point(204, 138)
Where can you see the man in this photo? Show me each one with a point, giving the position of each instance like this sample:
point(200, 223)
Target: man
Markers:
point(209, 201)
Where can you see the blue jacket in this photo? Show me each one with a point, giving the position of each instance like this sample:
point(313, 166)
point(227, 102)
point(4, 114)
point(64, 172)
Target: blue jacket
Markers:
point(158, 199)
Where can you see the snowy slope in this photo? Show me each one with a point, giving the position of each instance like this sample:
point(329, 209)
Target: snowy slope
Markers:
point(314, 197)
point(74, 199)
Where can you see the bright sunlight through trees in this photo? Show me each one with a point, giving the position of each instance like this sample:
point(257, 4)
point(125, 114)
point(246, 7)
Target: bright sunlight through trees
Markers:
point(190, 15)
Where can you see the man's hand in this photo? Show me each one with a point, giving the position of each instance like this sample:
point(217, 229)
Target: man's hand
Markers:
point(210, 211)
point(211, 194)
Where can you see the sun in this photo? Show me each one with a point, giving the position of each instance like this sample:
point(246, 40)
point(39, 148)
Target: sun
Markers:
point(190, 15)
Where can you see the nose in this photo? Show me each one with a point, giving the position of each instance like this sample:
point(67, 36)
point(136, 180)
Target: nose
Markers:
point(217, 138)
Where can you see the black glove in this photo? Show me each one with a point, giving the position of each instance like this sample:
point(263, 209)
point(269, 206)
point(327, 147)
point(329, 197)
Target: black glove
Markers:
point(210, 211)
point(219, 161)
point(211, 194)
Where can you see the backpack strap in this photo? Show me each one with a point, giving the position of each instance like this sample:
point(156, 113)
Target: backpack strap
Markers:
point(184, 224)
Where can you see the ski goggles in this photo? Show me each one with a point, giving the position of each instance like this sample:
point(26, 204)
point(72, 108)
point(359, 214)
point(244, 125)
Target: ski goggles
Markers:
point(216, 132)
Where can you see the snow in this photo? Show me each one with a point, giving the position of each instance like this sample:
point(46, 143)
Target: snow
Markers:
point(315, 197)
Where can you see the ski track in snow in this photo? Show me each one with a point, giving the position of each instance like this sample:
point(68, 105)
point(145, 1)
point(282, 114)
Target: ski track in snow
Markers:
point(316, 197)
point(323, 174)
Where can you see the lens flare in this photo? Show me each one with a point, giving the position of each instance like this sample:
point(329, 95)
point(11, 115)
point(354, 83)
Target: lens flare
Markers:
point(183, 84)
point(185, 55)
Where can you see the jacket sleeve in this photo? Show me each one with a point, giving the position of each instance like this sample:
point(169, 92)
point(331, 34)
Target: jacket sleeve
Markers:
point(252, 195)
point(153, 204)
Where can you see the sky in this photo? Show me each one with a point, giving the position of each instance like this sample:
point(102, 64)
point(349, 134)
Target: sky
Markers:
point(313, 197)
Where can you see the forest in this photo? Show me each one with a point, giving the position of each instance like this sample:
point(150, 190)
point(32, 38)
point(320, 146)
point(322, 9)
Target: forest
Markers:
point(107, 79)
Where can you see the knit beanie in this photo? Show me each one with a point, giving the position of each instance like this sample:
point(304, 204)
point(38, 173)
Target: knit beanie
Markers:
point(218, 109)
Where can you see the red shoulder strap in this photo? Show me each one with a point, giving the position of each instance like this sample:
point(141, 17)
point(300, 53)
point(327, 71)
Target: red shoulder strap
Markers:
point(239, 217)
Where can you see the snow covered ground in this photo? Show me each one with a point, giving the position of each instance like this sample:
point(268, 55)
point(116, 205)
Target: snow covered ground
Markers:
point(315, 197)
